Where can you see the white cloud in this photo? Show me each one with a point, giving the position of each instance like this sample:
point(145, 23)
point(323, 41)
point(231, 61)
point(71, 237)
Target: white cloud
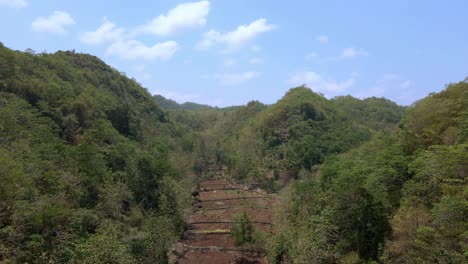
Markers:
point(256, 61)
point(134, 49)
point(54, 23)
point(122, 45)
point(352, 52)
point(320, 84)
point(185, 15)
point(14, 3)
point(322, 38)
point(107, 32)
point(235, 39)
point(311, 55)
point(228, 79)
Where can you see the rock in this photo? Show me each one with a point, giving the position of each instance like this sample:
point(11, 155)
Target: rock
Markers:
point(176, 252)
point(172, 259)
point(179, 249)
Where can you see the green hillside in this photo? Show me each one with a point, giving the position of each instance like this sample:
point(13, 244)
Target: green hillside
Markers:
point(398, 198)
point(280, 141)
point(94, 169)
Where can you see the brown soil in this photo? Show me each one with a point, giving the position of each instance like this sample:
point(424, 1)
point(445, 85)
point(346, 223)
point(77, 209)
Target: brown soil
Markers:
point(208, 238)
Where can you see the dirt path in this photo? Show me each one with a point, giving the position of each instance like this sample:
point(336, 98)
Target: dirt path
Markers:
point(208, 238)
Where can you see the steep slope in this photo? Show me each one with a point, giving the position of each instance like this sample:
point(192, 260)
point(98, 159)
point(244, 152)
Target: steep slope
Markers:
point(90, 164)
point(440, 118)
point(271, 144)
point(375, 113)
point(298, 132)
point(398, 198)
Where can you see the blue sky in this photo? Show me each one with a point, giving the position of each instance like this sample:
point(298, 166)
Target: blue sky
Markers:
point(222, 52)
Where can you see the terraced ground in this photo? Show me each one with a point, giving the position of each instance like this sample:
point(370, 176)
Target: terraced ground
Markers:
point(208, 238)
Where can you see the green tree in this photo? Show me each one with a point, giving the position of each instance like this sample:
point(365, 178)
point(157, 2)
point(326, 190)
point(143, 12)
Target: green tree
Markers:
point(106, 246)
point(243, 231)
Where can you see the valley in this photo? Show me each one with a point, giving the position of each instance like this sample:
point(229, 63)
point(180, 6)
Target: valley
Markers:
point(209, 238)
point(95, 169)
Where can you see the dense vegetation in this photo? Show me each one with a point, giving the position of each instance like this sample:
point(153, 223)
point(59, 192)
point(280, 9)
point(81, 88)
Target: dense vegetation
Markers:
point(374, 181)
point(269, 145)
point(91, 169)
point(398, 198)
point(94, 169)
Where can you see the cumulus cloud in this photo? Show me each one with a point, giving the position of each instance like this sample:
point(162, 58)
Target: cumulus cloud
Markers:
point(55, 23)
point(123, 45)
point(14, 3)
point(353, 52)
point(318, 83)
point(107, 32)
point(322, 38)
point(235, 39)
point(134, 49)
point(185, 15)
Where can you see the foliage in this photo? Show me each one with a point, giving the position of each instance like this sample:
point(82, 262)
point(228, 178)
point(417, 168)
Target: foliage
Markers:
point(243, 231)
point(271, 144)
point(89, 164)
point(93, 170)
point(398, 198)
point(438, 119)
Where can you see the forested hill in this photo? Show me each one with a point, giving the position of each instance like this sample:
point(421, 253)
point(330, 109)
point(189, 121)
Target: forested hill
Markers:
point(263, 143)
point(400, 197)
point(91, 169)
point(94, 169)
point(368, 180)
